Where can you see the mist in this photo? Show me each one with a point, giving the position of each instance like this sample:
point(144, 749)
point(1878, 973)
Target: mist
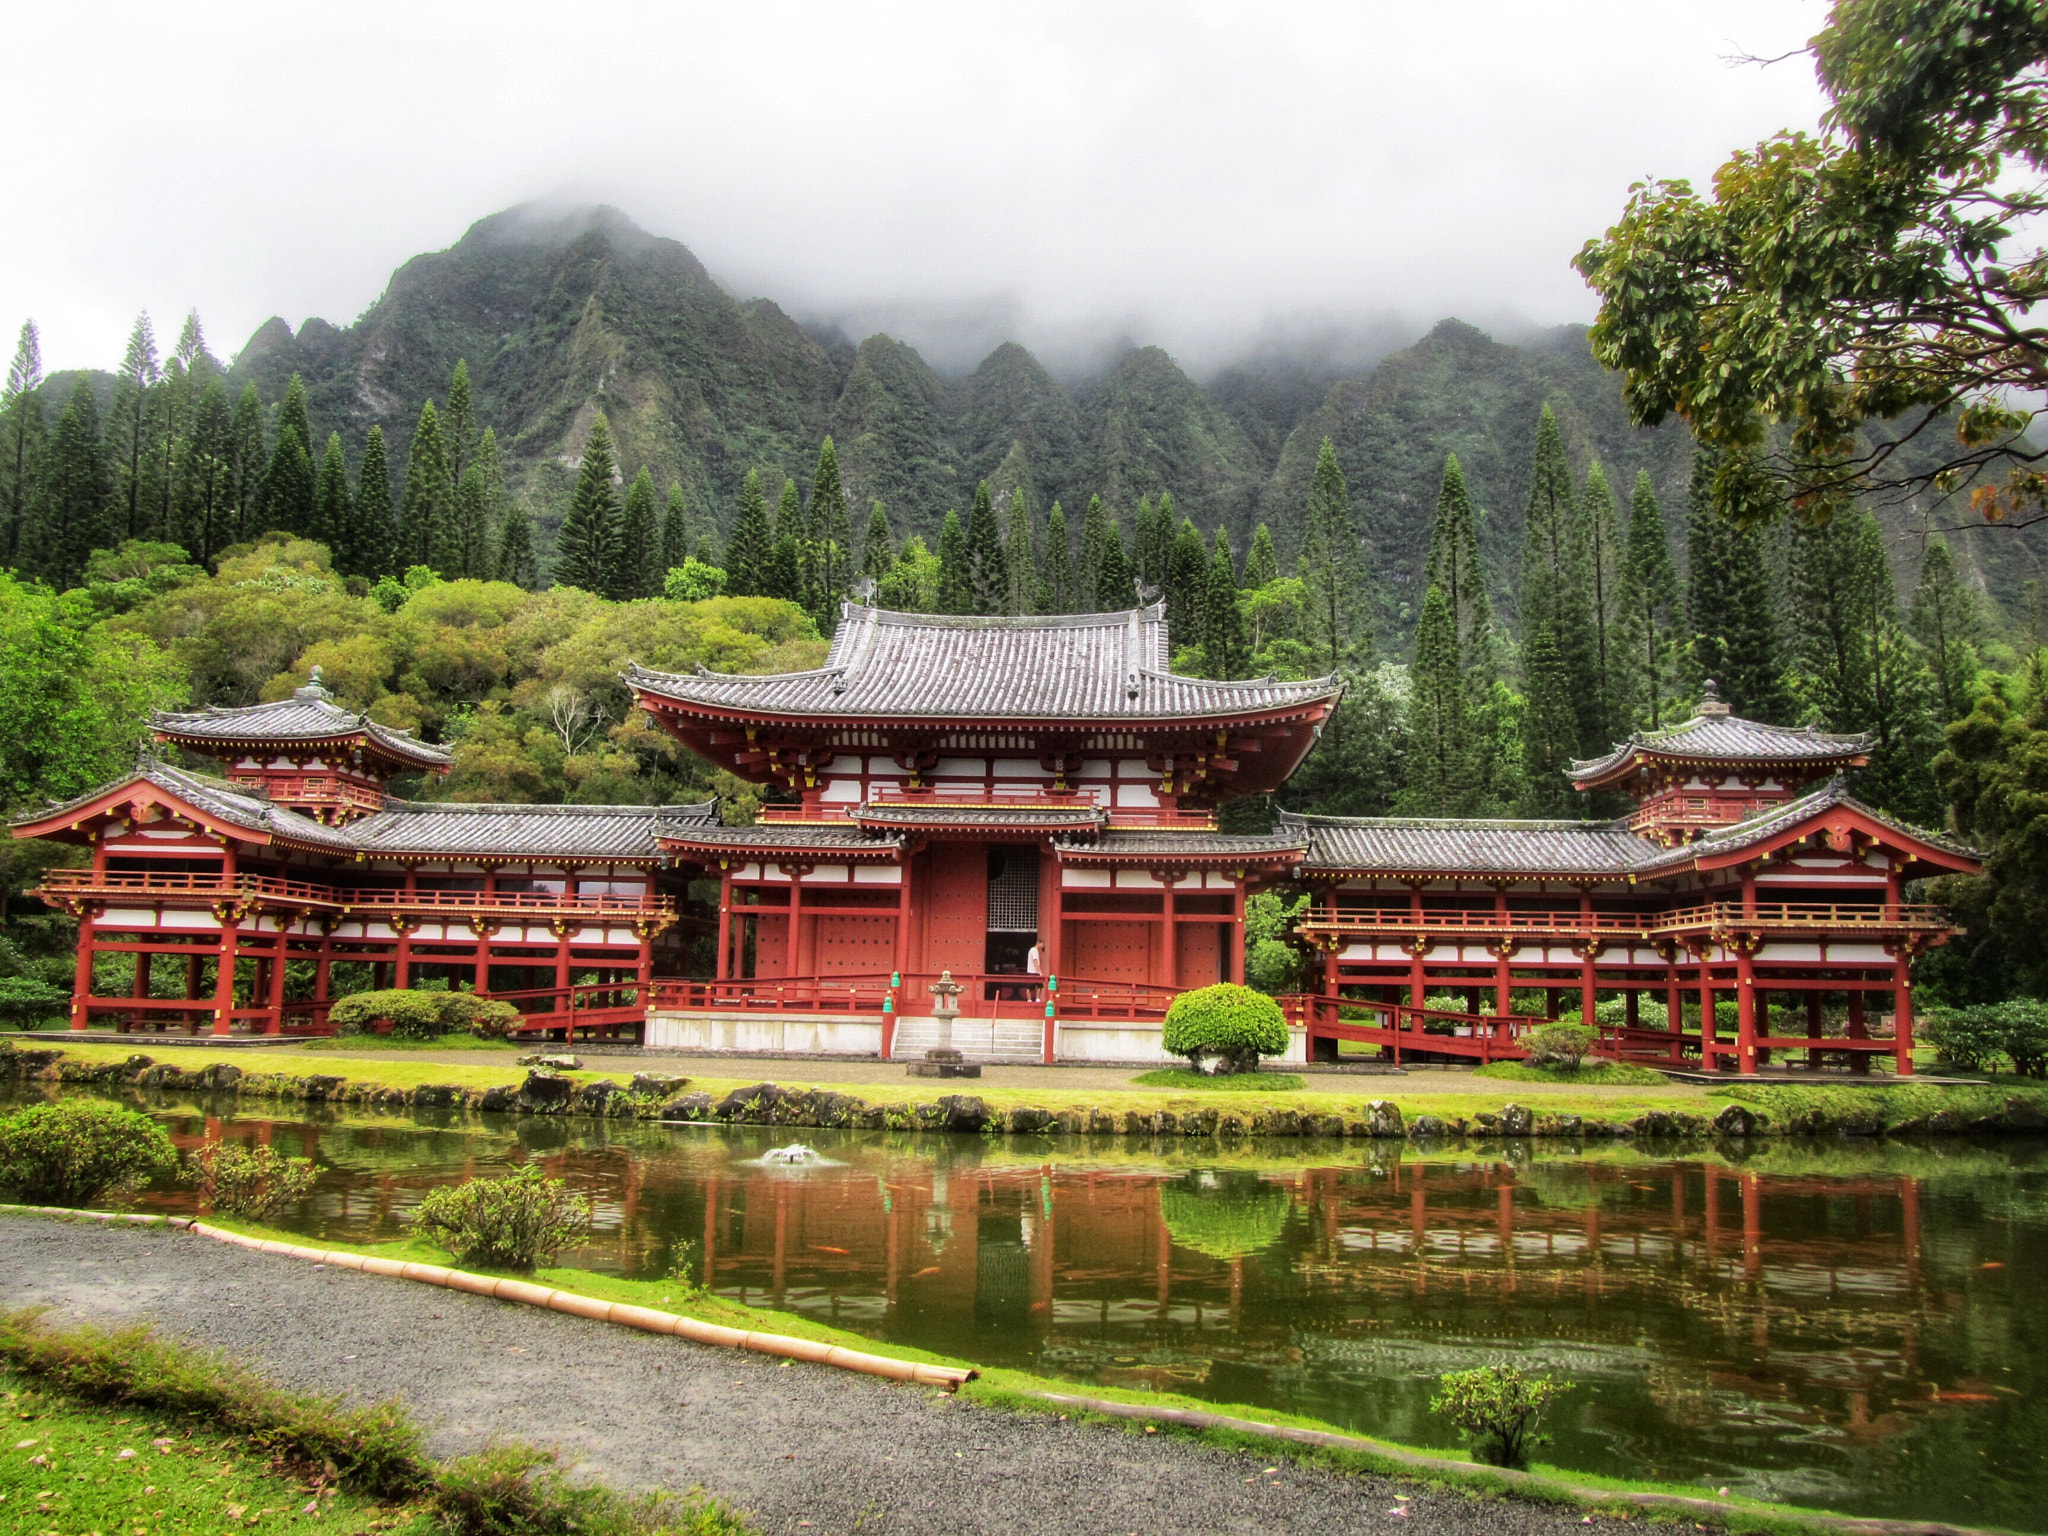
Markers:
point(1225, 181)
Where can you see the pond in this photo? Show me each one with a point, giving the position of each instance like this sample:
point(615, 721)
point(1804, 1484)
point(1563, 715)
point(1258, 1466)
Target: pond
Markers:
point(1860, 1326)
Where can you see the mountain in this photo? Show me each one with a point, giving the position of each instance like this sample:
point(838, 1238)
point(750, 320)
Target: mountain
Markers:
point(560, 314)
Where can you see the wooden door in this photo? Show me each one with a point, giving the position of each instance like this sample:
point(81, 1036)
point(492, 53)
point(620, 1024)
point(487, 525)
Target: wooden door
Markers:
point(1200, 956)
point(856, 946)
point(1111, 951)
point(954, 892)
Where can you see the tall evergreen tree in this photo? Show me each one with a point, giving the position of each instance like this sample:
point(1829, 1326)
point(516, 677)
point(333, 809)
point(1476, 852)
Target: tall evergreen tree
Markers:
point(463, 551)
point(583, 549)
point(987, 570)
point(1332, 569)
point(21, 424)
point(1261, 565)
point(331, 512)
point(788, 564)
point(1088, 573)
point(1114, 587)
point(1186, 584)
point(1606, 719)
point(675, 530)
point(1648, 608)
point(1056, 574)
point(495, 496)
point(1453, 566)
point(1557, 582)
point(1730, 613)
point(750, 552)
point(877, 545)
point(956, 575)
point(249, 459)
point(427, 492)
point(291, 410)
point(1440, 744)
point(139, 373)
point(1948, 620)
point(516, 560)
point(73, 513)
point(1020, 560)
point(288, 484)
point(203, 475)
point(1550, 731)
point(176, 403)
point(373, 537)
point(832, 538)
point(1223, 625)
point(636, 569)
point(458, 425)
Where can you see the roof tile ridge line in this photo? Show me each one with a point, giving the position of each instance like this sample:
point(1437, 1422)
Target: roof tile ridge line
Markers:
point(634, 669)
point(856, 652)
point(1114, 619)
point(1270, 680)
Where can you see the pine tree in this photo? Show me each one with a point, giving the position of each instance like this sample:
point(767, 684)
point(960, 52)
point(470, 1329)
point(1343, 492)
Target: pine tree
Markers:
point(176, 403)
point(1550, 731)
point(789, 563)
point(1730, 612)
point(832, 532)
point(1648, 604)
point(331, 512)
point(291, 410)
point(583, 549)
point(21, 425)
point(675, 530)
point(427, 492)
point(1088, 574)
point(1332, 569)
point(73, 509)
point(458, 425)
point(1453, 565)
point(988, 574)
point(516, 561)
point(1557, 582)
point(1606, 720)
point(139, 373)
point(1056, 574)
point(495, 498)
point(956, 578)
point(636, 569)
point(463, 551)
point(1948, 620)
point(1439, 735)
point(750, 551)
point(1113, 587)
point(1020, 560)
point(1223, 625)
point(249, 460)
point(1153, 533)
point(1187, 583)
point(877, 545)
point(204, 509)
point(1262, 565)
point(373, 536)
point(288, 487)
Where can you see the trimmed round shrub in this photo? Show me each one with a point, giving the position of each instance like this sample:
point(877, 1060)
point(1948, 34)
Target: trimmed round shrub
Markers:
point(1562, 1046)
point(416, 1015)
point(1234, 1024)
point(1223, 1215)
point(508, 1223)
point(80, 1151)
point(254, 1183)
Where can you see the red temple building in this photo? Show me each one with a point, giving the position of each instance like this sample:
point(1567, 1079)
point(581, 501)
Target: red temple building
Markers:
point(1031, 806)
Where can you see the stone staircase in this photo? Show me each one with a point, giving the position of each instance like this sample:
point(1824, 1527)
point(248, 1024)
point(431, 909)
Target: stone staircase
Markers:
point(983, 1040)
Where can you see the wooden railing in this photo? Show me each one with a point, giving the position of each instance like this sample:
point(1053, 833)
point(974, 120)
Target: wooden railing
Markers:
point(1007, 995)
point(893, 798)
point(601, 1010)
point(1764, 916)
point(115, 884)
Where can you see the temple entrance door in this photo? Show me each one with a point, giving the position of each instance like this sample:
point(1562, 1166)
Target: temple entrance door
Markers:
point(955, 897)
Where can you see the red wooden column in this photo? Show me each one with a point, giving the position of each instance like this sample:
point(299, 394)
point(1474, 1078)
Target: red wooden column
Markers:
point(1707, 1054)
point(1169, 963)
point(796, 918)
point(273, 1019)
point(1418, 946)
point(1902, 1012)
point(1234, 940)
point(224, 980)
point(1858, 1029)
point(1745, 1009)
point(722, 967)
point(81, 984)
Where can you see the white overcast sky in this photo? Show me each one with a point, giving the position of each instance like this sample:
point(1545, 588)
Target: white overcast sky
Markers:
point(1194, 174)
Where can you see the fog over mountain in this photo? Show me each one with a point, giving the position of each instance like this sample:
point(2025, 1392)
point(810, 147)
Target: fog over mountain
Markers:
point(1217, 180)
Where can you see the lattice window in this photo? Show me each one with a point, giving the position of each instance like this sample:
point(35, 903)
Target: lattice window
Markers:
point(1013, 891)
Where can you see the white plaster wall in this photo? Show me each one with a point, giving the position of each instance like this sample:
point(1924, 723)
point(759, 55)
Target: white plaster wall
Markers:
point(811, 1034)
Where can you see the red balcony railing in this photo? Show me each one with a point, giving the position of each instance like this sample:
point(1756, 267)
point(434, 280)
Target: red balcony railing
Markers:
point(206, 887)
point(1765, 916)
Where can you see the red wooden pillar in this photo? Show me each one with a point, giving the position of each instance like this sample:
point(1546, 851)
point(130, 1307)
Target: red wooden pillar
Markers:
point(1588, 994)
point(1503, 983)
point(1707, 1052)
point(563, 928)
point(401, 967)
point(1902, 1015)
point(1745, 1012)
point(224, 982)
point(1234, 940)
point(1674, 1007)
point(796, 921)
point(273, 1018)
point(81, 984)
point(480, 982)
point(1169, 963)
point(722, 967)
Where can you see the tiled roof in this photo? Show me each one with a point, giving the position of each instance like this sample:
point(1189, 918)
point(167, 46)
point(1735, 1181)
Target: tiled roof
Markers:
point(1728, 738)
point(1132, 845)
point(524, 831)
point(766, 838)
point(231, 803)
point(1033, 817)
point(310, 714)
point(1420, 844)
point(1100, 666)
point(1767, 824)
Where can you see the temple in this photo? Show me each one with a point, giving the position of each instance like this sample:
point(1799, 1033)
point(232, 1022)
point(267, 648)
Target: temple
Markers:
point(1028, 805)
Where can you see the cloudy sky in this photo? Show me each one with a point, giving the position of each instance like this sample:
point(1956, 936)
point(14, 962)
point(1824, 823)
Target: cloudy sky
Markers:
point(1201, 175)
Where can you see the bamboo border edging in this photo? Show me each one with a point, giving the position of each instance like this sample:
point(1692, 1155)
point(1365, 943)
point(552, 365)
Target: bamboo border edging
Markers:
point(1192, 1418)
point(645, 1319)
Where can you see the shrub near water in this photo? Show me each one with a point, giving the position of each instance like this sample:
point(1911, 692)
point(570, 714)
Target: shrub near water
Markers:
point(1499, 1407)
point(1231, 1023)
point(1975, 1038)
point(1560, 1046)
point(508, 1223)
point(251, 1183)
point(423, 1015)
point(80, 1151)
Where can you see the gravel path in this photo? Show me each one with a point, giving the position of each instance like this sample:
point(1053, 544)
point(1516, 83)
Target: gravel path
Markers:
point(797, 1446)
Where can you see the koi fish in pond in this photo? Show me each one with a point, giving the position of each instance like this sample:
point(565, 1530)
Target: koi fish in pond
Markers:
point(827, 1248)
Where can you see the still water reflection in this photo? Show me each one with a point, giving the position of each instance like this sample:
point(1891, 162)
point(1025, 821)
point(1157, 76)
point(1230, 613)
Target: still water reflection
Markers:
point(1855, 1326)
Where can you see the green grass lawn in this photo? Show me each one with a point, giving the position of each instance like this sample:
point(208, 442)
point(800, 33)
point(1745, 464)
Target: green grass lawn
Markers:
point(1594, 1074)
point(69, 1467)
point(1229, 1082)
point(459, 1041)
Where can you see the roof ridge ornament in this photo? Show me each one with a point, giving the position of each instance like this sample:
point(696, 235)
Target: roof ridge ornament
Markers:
point(1711, 706)
point(313, 689)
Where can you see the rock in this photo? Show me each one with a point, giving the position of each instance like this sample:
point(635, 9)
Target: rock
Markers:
point(553, 1063)
point(691, 1106)
point(1735, 1121)
point(1562, 1125)
point(163, 1075)
point(318, 1089)
point(658, 1085)
point(437, 1096)
point(597, 1097)
point(1231, 1126)
point(1280, 1122)
point(544, 1093)
point(1513, 1120)
point(498, 1098)
point(1164, 1123)
point(1027, 1121)
point(1383, 1118)
point(2022, 1115)
point(1102, 1123)
point(755, 1105)
point(219, 1075)
point(19, 1062)
point(1427, 1128)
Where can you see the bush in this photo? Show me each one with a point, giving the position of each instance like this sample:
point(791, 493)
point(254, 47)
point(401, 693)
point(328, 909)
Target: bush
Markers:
point(692, 582)
point(1974, 1038)
point(253, 1183)
point(80, 1151)
point(1273, 966)
point(416, 1014)
point(1499, 1407)
point(1563, 1046)
point(25, 1002)
point(509, 1223)
point(1234, 1024)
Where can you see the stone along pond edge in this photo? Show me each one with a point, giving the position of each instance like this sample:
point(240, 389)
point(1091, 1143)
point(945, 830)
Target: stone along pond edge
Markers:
point(1760, 1110)
point(1021, 1391)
